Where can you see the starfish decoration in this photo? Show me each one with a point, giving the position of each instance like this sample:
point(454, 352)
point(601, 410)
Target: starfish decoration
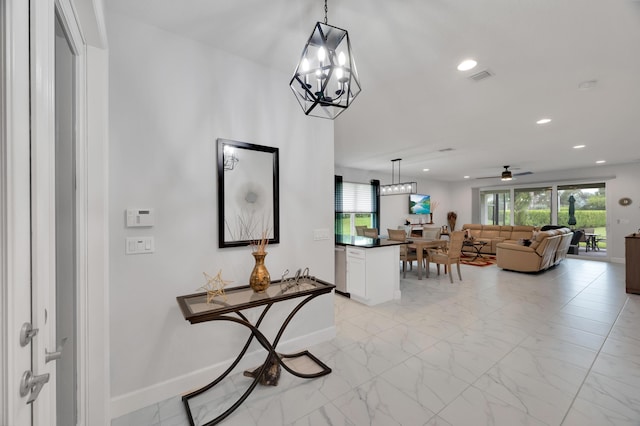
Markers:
point(214, 286)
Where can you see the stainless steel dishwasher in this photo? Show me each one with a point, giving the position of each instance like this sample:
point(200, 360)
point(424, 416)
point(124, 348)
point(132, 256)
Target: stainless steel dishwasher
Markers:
point(341, 270)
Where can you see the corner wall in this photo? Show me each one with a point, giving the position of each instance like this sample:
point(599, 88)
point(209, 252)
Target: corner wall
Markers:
point(170, 99)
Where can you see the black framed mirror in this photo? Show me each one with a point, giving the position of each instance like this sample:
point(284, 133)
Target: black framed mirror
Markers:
point(248, 193)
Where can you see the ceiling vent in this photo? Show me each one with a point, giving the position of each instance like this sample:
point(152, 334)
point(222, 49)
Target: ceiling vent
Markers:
point(479, 76)
point(446, 150)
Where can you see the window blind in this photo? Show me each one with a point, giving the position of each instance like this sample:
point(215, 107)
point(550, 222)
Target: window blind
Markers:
point(356, 198)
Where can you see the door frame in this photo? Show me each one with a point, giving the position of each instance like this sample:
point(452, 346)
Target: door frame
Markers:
point(15, 266)
point(16, 135)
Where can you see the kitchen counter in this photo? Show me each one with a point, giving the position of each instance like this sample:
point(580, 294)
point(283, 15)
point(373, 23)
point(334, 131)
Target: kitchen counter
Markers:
point(364, 242)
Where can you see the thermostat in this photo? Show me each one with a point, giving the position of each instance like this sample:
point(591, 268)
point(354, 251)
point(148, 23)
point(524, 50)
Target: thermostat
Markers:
point(139, 217)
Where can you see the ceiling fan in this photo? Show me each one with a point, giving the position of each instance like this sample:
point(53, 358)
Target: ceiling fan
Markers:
point(506, 174)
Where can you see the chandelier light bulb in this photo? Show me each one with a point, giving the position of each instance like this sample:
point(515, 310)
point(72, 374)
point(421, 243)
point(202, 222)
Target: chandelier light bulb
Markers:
point(342, 59)
point(304, 64)
point(322, 54)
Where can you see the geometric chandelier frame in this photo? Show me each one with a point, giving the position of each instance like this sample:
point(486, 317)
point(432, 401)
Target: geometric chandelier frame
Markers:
point(326, 81)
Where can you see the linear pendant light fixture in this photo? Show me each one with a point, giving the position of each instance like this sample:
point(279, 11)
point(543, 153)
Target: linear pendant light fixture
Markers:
point(398, 188)
point(326, 81)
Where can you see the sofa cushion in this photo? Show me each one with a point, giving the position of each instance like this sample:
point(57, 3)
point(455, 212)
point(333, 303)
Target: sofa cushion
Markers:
point(505, 231)
point(522, 232)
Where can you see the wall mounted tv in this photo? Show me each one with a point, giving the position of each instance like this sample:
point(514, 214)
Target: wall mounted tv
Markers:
point(419, 204)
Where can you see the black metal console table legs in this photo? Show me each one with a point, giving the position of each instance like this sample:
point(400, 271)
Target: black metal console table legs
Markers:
point(271, 355)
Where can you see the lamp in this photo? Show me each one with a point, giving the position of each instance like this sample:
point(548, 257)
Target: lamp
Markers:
point(230, 158)
point(326, 81)
point(398, 188)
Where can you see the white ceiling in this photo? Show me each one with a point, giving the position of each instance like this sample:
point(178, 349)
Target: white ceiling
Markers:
point(415, 103)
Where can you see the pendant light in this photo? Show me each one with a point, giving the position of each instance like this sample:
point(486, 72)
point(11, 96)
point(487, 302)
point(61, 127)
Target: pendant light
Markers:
point(400, 187)
point(326, 81)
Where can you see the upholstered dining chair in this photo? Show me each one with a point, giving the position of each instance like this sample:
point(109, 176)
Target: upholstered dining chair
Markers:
point(406, 254)
point(448, 256)
point(370, 232)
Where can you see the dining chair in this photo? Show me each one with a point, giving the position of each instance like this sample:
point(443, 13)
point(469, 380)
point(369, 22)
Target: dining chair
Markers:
point(370, 232)
point(430, 233)
point(448, 256)
point(585, 238)
point(406, 254)
point(360, 230)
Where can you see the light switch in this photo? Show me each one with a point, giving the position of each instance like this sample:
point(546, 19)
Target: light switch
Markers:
point(139, 245)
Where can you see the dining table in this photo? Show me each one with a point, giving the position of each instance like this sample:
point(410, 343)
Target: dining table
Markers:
point(420, 244)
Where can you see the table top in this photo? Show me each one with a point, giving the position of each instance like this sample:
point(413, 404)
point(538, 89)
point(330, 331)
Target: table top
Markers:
point(474, 243)
point(195, 308)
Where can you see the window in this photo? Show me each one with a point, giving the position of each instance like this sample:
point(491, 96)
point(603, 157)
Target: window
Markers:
point(356, 204)
point(532, 206)
point(495, 207)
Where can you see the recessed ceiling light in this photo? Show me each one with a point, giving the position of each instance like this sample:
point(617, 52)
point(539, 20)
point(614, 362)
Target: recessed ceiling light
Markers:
point(467, 177)
point(467, 65)
point(543, 121)
point(425, 170)
point(579, 146)
point(600, 161)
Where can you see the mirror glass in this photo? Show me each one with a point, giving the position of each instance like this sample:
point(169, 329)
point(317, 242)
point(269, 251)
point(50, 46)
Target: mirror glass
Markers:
point(248, 205)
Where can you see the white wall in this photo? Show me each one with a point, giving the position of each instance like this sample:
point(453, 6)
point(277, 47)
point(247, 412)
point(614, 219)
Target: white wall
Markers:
point(394, 209)
point(621, 181)
point(170, 99)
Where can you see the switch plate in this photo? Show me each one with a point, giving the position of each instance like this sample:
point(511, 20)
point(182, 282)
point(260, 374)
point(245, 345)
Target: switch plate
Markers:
point(139, 245)
point(321, 234)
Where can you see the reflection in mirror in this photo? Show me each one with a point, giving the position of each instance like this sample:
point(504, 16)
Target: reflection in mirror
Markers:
point(248, 201)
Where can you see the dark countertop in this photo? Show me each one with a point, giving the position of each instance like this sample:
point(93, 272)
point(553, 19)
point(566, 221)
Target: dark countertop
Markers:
point(364, 242)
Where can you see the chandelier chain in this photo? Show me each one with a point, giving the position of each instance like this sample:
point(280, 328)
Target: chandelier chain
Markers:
point(326, 10)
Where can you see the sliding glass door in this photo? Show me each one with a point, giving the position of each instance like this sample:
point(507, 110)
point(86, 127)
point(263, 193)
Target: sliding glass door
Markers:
point(495, 207)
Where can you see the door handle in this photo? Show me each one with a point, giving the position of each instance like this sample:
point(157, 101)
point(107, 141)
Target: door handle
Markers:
point(27, 333)
point(32, 384)
point(53, 356)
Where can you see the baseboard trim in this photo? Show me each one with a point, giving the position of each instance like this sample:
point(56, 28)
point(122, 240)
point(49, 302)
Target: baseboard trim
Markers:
point(132, 401)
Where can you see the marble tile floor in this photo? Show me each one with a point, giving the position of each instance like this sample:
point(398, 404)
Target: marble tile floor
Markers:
point(499, 348)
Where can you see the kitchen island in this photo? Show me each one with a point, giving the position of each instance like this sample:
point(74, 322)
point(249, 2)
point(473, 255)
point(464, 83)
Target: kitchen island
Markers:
point(367, 269)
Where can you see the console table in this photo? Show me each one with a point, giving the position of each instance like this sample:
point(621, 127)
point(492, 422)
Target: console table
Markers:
point(195, 309)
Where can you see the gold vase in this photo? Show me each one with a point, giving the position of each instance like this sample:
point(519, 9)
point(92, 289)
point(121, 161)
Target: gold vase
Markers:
point(260, 278)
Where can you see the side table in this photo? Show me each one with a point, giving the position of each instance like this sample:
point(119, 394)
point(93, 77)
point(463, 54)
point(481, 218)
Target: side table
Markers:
point(195, 309)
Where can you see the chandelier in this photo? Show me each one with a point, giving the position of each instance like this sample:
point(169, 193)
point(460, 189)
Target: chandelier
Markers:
point(400, 187)
point(326, 81)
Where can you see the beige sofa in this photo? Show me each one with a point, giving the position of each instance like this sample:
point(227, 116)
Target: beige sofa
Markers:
point(494, 234)
point(548, 248)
